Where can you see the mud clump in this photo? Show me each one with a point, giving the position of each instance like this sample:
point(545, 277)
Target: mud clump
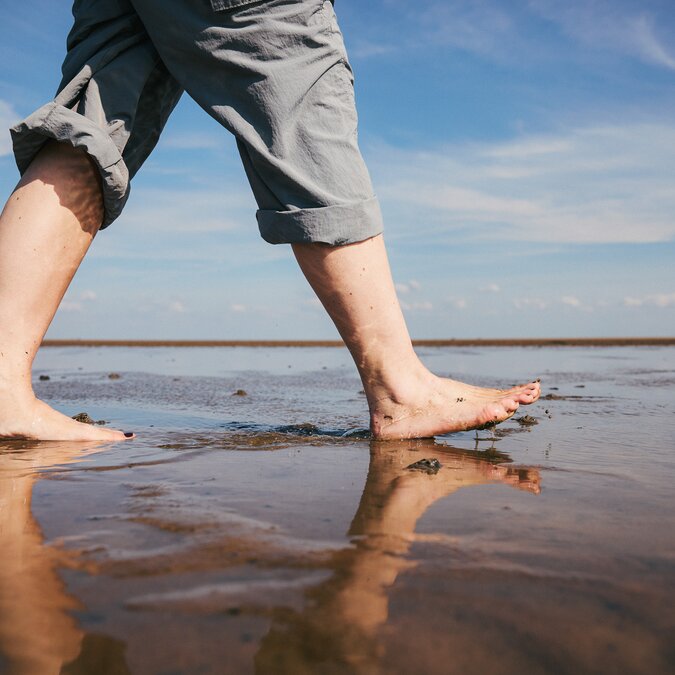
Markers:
point(44, 378)
point(303, 429)
point(114, 376)
point(526, 421)
point(240, 392)
point(431, 466)
point(85, 418)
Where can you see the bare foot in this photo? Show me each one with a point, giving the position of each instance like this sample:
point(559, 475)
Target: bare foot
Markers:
point(26, 417)
point(430, 405)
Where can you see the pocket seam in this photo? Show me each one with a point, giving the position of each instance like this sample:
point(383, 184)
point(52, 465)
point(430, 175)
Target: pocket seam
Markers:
point(223, 5)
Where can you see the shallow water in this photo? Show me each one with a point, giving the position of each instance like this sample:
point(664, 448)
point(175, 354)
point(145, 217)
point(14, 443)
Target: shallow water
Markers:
point(264, 533)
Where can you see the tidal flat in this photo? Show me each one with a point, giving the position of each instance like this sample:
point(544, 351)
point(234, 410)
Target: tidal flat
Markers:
point(253, 527)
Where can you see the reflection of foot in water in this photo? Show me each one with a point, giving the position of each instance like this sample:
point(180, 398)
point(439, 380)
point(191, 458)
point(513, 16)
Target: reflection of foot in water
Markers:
point(394, 498)
point(338, 628)
point(37, 635)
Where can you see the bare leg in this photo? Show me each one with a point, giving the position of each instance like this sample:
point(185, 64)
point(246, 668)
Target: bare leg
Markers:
point(46, 228)
point(406, 401)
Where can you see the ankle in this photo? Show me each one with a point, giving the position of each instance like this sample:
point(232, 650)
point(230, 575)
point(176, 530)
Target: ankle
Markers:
point(15, 385)
point(399, 383)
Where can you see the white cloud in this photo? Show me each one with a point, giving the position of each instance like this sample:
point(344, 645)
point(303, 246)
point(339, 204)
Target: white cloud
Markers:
point(491, 288)
point(8, 117)
point(87, 295)
point(587, 185)
point(530, 303)
point(571, 301)
point(575, 303)
point(237, 307)
point(422, 305)
point(654, 299)
point(410, 286)
point(177, 306)
point(70, 306)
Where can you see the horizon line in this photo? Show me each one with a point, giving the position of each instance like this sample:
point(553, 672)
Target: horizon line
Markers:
point(447, 342)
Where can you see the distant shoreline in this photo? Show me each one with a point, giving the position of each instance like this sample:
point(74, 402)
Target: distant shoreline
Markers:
point(470, 342)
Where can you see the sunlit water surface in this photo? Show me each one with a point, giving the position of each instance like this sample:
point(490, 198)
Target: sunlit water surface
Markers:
point(266, 533)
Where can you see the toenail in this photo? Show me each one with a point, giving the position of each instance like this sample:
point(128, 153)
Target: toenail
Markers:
point(128, 434)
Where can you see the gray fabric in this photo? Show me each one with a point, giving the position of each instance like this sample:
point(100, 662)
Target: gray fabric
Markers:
point(273, 72)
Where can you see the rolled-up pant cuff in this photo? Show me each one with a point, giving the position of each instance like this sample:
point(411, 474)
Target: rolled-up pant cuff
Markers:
point(335, 225)
point(57, 122)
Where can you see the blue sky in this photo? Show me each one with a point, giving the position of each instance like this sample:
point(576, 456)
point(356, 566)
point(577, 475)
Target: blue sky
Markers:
point(523, 153)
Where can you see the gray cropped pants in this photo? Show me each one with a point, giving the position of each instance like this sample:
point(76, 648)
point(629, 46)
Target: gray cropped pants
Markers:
point(273, 72)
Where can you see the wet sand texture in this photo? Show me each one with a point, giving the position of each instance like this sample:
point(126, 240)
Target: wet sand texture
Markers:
point(236, 536)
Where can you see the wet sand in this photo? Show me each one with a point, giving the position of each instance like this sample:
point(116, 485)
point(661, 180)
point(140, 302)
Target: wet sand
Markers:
point(265, 533)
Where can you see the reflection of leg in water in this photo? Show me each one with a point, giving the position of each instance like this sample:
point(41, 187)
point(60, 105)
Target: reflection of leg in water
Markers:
point(337, 630)
point(37, 635)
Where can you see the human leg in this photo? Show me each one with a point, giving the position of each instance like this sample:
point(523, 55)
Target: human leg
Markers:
point(111, 105)
point(46, 228)
point(277, 75)
point(355, 286)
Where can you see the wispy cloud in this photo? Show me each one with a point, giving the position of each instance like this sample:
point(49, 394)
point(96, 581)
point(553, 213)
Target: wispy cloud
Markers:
point(544, 29)
point(200, 209)
point(575, 303)
point(195, 140)
point(627, 28)
point(419, 305)
point(458, 303)
point(654, 300)
point(587, 185)
point(480, 26)
point(530, 303)
point(70, 306)
point(410, 286)
point(366, 49)
point(8, 117)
